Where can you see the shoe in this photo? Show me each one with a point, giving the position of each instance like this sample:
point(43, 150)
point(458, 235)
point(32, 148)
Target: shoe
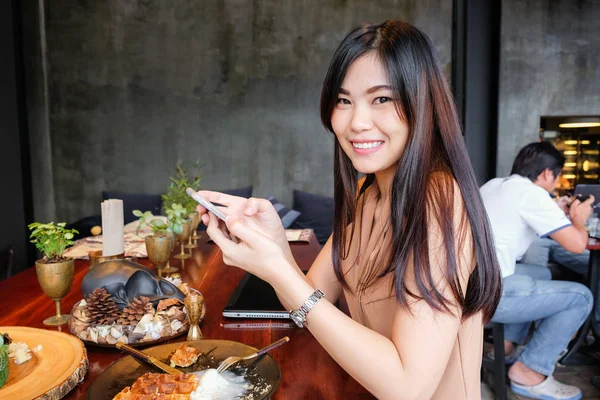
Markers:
point(550, 389)
point(510, 358)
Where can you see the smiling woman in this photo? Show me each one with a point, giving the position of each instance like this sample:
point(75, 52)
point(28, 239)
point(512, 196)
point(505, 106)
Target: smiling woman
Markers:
point(411, 248)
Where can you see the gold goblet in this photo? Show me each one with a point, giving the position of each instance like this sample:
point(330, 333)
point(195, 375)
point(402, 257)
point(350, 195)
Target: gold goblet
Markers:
point(195, 218)
point(169, 269)
point(183, 237)
point(56, 280)
point(195, 236)
point(195, 308)
point(159, 250)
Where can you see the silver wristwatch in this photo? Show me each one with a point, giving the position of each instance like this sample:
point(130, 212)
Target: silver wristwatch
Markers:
point(299, 315)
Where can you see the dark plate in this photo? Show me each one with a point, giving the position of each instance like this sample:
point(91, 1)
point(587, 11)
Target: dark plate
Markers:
point(264, 372)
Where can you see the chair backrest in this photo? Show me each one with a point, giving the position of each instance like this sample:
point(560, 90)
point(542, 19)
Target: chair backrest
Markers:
point(6, 262)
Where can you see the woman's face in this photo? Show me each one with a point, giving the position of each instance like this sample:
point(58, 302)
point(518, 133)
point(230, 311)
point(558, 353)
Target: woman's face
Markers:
point(365, 118)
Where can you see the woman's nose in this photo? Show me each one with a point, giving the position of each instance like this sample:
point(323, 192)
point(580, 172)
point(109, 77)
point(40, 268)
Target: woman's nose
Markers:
point(361, 119)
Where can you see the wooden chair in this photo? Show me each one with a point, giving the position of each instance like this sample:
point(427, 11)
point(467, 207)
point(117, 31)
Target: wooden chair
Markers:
point(494, 333)
point(6, 262)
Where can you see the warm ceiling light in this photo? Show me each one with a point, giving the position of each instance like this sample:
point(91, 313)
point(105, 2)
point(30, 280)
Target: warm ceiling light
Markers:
point(579, 125)
point(571, 164)
point(570, 142)
point(580, 122)
point(570, 152)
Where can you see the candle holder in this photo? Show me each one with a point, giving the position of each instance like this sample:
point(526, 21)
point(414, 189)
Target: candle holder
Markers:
point(96, 257)
point(195, 307)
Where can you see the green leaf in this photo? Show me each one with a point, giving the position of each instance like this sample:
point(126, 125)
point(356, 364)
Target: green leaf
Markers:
point(3, 357)
point(3, 376)
point(137, 213)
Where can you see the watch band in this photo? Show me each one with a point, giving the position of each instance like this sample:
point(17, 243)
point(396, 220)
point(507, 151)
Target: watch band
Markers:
point(299, 315)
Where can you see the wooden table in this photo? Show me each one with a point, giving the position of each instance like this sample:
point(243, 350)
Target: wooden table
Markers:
point(308, 372)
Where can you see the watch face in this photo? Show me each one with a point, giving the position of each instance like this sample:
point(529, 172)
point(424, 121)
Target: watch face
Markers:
point(297, 319)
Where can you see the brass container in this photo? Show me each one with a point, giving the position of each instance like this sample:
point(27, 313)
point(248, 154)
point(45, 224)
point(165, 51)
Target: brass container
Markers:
point(96, 257)
point(159, 248)
point(55, 280)
point(195, 219)
point(187, 230)
point(183, 237)
point(195, 307)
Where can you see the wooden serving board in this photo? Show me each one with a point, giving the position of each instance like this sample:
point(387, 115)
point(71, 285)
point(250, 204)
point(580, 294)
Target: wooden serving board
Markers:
point(52, 372)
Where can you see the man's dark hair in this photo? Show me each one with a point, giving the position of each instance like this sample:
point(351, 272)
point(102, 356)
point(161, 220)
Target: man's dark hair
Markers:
point(534, 158)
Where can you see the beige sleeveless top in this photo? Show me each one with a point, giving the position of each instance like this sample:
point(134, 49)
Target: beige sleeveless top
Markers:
point(375, 308)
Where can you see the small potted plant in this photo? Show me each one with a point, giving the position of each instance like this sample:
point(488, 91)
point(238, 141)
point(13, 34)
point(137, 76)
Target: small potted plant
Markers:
point(54, 271)
point(184, 177)
point(181, 222)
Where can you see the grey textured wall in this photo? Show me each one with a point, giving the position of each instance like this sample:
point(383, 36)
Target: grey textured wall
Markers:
point(135, 85)
point(550, 65)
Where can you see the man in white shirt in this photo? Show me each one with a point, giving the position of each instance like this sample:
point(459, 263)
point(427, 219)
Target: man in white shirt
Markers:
point(520, 209)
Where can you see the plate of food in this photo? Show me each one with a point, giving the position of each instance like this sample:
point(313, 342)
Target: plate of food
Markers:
point(129, 379)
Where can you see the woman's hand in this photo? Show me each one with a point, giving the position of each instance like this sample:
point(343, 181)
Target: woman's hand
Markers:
point(256, 214)
point(254, 252)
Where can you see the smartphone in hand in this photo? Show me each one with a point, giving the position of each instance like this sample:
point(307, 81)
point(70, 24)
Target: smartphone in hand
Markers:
point(205, 203)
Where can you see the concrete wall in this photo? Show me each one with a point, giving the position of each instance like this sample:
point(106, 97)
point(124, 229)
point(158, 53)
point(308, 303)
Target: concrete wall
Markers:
point(135, 85)
point(550, 65)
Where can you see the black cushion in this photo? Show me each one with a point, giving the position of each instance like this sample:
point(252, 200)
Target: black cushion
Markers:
point(287, 216)
point(135, 201)
point(316, 212)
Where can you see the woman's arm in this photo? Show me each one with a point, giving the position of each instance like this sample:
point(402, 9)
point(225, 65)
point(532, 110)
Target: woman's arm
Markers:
point(411, 363)
point(321, 275)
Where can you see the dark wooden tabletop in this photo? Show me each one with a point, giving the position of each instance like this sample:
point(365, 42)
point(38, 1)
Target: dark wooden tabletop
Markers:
point(593, 244)
point(308, 372)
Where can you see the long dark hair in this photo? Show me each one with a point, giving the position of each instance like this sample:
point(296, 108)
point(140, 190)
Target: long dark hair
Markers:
point(419, 191)
point(535, 158)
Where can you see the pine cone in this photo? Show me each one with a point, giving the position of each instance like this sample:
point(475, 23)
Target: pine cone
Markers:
point(139, 307)
point(101, 308)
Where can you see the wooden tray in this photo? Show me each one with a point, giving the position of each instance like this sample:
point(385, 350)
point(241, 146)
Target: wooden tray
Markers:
point(52, 372)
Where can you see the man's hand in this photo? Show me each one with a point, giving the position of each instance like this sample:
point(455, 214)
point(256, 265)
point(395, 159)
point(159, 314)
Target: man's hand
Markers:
point(563, 203)
point(579, 212)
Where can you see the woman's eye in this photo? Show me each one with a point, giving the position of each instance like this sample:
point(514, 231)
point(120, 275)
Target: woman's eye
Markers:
point(341, 100)
point(381, 100)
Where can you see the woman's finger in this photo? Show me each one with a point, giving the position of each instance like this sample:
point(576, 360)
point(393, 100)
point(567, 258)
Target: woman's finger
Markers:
point(205, 218)
point(256, 206)
point(242, 231)
point(219, 198)
point(215, 233)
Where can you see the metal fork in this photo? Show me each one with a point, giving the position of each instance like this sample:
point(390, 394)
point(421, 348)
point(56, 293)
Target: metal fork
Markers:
point(229, 361)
